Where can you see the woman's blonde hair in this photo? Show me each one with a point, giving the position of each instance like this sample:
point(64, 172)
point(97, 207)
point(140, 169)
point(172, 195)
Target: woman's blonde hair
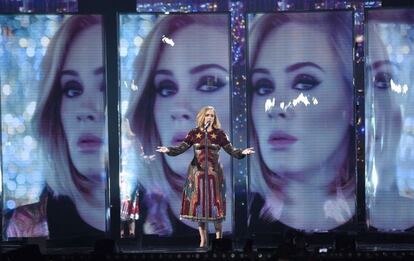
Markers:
point(339, 28)
point(46, 120)
point(201, 115)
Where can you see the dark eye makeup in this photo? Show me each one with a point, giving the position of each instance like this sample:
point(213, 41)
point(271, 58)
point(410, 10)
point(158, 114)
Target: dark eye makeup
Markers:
point(210, 83)
point(72, 89)
point(304, 82)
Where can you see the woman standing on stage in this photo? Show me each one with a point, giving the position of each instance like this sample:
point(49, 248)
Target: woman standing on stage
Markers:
point(193, 206)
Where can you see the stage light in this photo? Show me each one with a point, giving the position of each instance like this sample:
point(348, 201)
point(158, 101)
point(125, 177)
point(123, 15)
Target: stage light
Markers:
point(323, 250)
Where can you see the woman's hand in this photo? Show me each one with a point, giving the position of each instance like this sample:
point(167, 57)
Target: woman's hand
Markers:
point(248, 151)
point(162, 149)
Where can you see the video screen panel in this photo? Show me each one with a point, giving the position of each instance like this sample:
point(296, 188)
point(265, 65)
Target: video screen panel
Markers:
point(301, 117)
point(54, 138)
point(389, 119)
point(171, 67)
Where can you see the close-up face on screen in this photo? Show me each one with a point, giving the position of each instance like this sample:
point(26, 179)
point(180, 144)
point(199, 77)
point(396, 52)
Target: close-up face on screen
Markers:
point(171, 67)
point(53, 126)
point(389, 119)
point(300, 96)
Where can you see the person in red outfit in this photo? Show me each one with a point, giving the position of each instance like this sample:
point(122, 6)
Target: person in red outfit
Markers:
point(193, 206)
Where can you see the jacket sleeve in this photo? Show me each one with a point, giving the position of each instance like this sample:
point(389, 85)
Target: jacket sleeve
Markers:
point(177, 150)
point(228, 147)
point(185, 145)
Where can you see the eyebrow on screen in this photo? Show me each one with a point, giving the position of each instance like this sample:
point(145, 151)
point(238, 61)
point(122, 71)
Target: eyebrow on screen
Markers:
point(194, 70)
point(163, 71)
point(260, 70)
point(204, 67)
point(97, 71)
point(69, 72)
point(298, 66)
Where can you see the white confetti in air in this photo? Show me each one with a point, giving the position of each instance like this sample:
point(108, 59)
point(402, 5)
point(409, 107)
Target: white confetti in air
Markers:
point(269, 104)
point(301, 98)
point(399, 88)
point(134, 87)
point(167, 40)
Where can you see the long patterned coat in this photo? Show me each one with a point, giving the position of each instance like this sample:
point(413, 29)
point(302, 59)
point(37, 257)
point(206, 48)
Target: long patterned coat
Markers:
point(193, 199)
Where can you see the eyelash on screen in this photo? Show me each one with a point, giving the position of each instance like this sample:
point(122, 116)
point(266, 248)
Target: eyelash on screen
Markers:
point(382, 80)
point(170, 87)
point(71, 85)
point(162, 86)
point(261, 82)
point(213, 81)
point(265, 86)
point(309, 79)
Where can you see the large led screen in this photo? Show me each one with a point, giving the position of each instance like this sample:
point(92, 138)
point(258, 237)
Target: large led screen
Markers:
point(171, 67)
point(389, 119)
point(53, 121)
point(300, 109)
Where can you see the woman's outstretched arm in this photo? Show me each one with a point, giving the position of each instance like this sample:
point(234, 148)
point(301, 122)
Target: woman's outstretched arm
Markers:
point(230, 149)
point(181, 148)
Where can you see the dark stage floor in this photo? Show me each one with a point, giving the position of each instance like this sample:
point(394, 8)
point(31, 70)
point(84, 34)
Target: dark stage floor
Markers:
point(387, 248)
